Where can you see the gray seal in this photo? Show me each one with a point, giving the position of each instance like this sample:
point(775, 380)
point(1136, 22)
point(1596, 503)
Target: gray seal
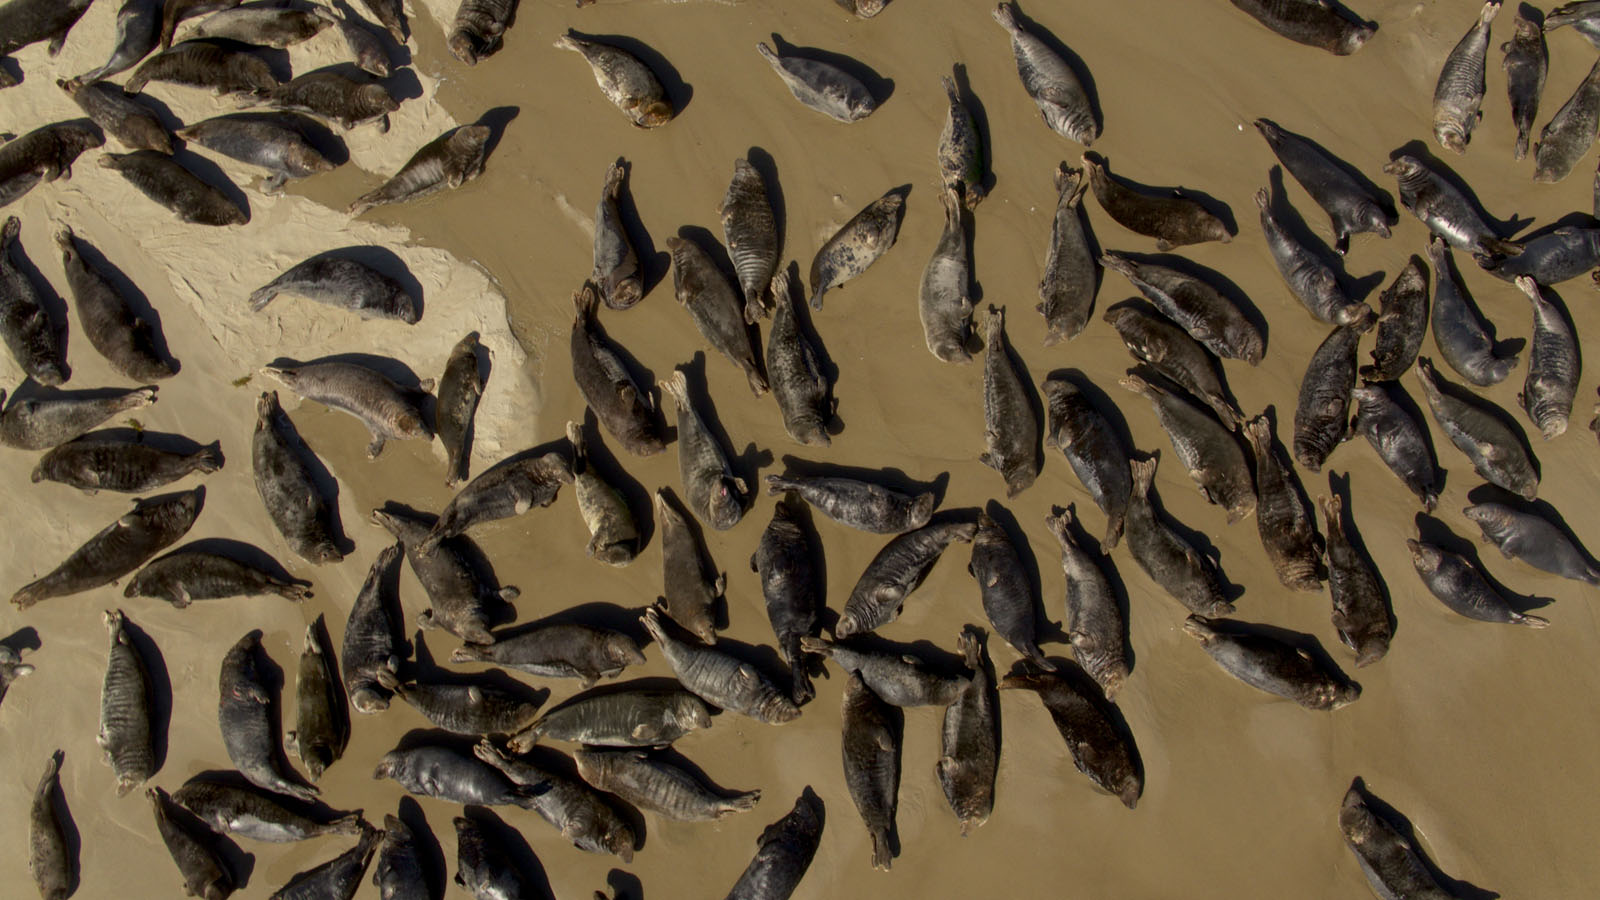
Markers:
point(1094, 622)
point(1208, 450)
point(960, 148)
point(1006, 593)
point(288, 490)
point(1099, 748)
point(582, 814)
point(483, 867)
point(899, 569)
point(338, 878)
point(138, 33)
point(969, 752)
point(1351, 208)
point(1459, 91)
point(659, 786)
point(751, 230)
point(43, 155)
point(630, 718)
point(391, 16)
point(1399, 439)
point(791, 587)
point(1011, 431)
point(1526, 63)
point(1461, 587)
point(1050, 81)
point(616, 265)
point(459, 601)
point(460, 388)
point(871, 750)
point(51, 858)
point(175, 11)
point(240, 810)
point(24, 325)
point(1071, 274)
point(39, 423)
point(558, 651)
point(331, 95)
point(186, 575)
point(119, 548)
point(620, 404)
point(464, 708)
point(444, 773)
point(278, 143)
point(119, 115)
point(794, 370)
point(168, 183)
point(624, 79)
point(1360, 613)
point(11, 668)
point(1402, 324)
point(99, 463)
point(689, 591)
point(223, 67)
point(262, 26)
point(126, 718)
point(715, 494)
point(944, 302)
point(1446, 211)
point(1285, 521)
point(1553, 366)
point(784, 850)
point(714, 306)
point(822, 86)
point(1311, 282)
point(127, 341)
point(1479, 431)
point(390, 412)
point(858, 504)
point(250, 724)
point(613, 536)
point(1272, 665)
point(1195, 305)
point(720, 679)
point(1393, 866)
point(1174, 221)
point(1322, 409)
point(398, 872)
point(371, 644)
point(1320, 25)
point(322, 725)
point(205, 873)
point(1567, 137)
point(857, 244)
point(366, 50)
point(479, 29)
point(509, 488)
point(1551, 258)
point(343, 284)
point(24, 22)
point(447, 162)
point(1093, 451)
point(898, 678)
point(1164, 556)
point(1534, 540)
point(1155, 340)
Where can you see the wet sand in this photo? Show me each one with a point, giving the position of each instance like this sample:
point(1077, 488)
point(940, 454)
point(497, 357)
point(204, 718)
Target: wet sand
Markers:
point(1478, 733)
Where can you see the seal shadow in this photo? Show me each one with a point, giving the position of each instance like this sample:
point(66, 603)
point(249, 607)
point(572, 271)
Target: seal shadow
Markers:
point(212, 174)
point(895, 479)
point(1199, 540)
point(424, 668)
point(895, 718)
point(1339, 486)
point(708, 565)
point(980, 124)
point(1221, 283)
point(130, 292)
point(679, 92)
point(974, 286)
point(1289, 218)
point(402, 83)
point(496, 119)
point(1434, 531)
point(1420, 150)
point(1222, 211)
point(1097, 552)
point(808, 333)
point(767, 167)
point(879, 87)
point(1398, 821)
point(53, 304)
point(562, 765)
point(11, 70)
point(385, 262)
point(426, 843)
point(25, 638)
point(1494, 410)
point(609, 467)
point(1015, 533)
point(624, 885)
point(160, 440)
point(1489, 493)
point(160, 687)
point(654, 265)
point(1074, 62)
point(517, 852)
point(746, 465)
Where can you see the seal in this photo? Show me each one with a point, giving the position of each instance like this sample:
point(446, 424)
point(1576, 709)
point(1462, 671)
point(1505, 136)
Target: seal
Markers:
point(447, 162)
point(1174, 221)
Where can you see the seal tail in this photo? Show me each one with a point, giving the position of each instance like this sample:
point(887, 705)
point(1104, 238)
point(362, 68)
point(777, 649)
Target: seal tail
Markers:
point(1532, 621)
point(296, 593)
point(881, 857)
point(739, 803)
point(777, 484)
point(800, 689)
point(207, 459)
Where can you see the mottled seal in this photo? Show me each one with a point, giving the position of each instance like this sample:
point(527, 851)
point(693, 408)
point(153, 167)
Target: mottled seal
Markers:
point(446, 162)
